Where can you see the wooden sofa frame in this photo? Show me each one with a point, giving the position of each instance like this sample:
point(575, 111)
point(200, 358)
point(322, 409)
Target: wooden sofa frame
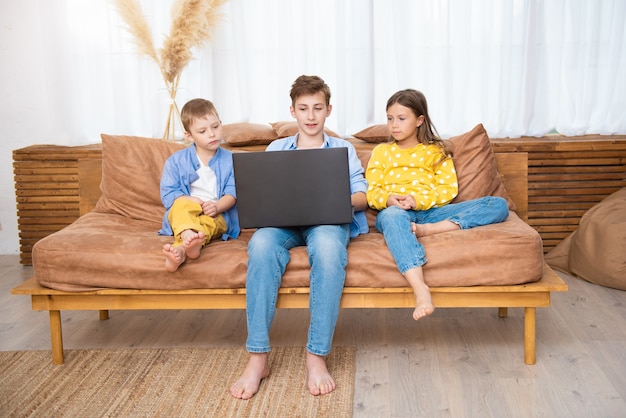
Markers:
point(513, 168)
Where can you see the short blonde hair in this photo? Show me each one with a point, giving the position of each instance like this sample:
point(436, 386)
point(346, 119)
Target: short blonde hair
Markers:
point(196, 108)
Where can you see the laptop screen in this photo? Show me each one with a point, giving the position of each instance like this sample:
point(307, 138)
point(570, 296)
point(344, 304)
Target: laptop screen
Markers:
point(293, 188)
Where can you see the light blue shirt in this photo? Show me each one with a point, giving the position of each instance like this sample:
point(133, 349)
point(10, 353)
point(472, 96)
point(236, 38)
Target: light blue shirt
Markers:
point(357, 179)
point(179, 172)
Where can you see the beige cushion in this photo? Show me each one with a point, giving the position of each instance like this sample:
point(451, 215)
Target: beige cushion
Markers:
point(374, 134)
point(476, 167)
point(102, 250)
point(244, 134)
point(131, 176)
point(288, 128)
point(596, 251)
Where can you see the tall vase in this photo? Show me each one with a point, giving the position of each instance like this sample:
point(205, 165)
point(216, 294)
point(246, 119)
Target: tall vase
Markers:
point(167, 123)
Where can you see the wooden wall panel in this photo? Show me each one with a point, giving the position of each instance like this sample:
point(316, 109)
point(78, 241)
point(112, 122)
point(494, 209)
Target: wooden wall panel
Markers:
point(46, 190)
point(566, 177)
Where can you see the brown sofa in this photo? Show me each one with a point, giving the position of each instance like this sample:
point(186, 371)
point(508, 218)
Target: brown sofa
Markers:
point(111, 257)
point(116, 246)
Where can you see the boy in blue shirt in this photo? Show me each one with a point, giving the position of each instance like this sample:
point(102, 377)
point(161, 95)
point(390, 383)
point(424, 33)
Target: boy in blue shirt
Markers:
point(198, 188)
point(268, 252)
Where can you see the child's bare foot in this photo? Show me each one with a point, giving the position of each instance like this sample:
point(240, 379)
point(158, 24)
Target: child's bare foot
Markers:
point(423, 303)
point(192, 242)
point(174, 257)
point(319, 380)
point(417, 229)
point(423, 230)
point(248, 383)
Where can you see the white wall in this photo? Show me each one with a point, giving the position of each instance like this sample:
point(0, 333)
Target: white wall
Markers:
point(23, 109)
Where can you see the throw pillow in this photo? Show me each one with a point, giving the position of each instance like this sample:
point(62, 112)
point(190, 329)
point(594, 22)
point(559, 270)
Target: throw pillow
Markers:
point(374, 134)
point(131, 176)
point(245, 134)
point(285, 129)
point(476, 167)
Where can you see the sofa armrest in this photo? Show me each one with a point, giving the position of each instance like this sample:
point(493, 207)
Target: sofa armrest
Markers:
point(89, 177)
point(513, 169)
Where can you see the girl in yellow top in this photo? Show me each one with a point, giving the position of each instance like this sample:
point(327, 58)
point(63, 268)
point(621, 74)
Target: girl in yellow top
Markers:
point(412, 181)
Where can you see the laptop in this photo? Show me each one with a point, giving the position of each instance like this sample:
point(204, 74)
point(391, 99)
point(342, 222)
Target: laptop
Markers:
point(293, 187)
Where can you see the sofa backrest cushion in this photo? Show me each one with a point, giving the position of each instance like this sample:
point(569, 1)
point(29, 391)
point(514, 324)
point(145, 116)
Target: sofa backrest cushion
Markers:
point(476, 167)
point(131, 176)
point(243, 134)
point(132, 167)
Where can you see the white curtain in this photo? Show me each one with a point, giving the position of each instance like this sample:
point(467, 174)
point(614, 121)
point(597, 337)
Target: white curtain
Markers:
point(519, 67)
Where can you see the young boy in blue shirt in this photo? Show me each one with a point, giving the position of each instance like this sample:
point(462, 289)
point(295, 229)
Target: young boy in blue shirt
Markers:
point(268, 252)
point(198, 187)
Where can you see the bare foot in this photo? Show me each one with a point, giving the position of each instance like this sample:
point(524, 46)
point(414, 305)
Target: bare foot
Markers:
point(423, 230)
point(319, 380)
point(174, 257)
point(418, 229)
point(248, 383)
point(423, 303)
point(192, 242)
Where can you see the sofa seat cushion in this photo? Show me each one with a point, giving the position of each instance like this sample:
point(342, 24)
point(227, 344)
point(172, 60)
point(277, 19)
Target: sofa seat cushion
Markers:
point(104, 250)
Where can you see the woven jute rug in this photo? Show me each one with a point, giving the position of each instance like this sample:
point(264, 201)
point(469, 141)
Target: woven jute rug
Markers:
point(176, 382)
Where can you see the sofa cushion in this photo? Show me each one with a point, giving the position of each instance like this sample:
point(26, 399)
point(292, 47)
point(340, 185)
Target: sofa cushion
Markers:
point(131, 176)
point(476, 167)
point(289, 128)
point(244, 134)
point(105, 250)
point(374, 134)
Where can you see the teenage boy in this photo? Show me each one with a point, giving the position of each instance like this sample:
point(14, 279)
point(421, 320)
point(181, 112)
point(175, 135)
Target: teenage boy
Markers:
point(268, 252)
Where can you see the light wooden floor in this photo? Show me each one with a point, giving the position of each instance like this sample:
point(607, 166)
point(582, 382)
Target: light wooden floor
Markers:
point(456, 363)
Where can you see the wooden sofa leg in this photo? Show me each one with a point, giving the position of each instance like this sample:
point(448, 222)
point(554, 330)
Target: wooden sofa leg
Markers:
point(503, 312)
point(530, 322)
point(104, 315)
point(56, 336)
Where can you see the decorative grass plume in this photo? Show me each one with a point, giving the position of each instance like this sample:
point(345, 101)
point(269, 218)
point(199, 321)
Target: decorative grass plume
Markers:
point(192, 25)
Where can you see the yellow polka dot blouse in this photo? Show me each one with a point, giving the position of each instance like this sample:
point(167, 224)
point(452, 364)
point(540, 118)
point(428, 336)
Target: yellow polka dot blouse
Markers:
point(423, 171)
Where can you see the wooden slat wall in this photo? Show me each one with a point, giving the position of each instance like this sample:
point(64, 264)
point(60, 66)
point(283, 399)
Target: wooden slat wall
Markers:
point(566, 177)
point(46, 189)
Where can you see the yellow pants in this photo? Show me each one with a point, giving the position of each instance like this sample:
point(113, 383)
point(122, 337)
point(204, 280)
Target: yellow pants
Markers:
point(185, 214)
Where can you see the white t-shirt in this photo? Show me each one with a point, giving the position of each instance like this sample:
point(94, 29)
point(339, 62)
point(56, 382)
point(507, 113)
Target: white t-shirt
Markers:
point(205, 188)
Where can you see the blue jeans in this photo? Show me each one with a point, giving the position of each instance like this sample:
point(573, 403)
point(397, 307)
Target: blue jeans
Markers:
point(268, 252)
point(395, 224)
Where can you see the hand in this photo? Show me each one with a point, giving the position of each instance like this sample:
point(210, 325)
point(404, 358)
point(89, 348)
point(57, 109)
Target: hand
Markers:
point(209, 209)
point(405, 202)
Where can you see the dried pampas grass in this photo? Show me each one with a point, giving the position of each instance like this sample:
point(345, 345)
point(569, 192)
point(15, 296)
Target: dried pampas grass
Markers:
point(192, 24)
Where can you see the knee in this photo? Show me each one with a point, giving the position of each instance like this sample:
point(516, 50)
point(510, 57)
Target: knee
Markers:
point(497, 207)
point(390, 215)
point(501, 207)
point(261, 245)
point(331, 245)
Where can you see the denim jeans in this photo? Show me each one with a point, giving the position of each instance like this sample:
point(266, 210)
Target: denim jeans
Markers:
point(407, 251)
point(268, 255)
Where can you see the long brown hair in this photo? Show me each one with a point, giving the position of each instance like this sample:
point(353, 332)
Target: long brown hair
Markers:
point(416, 101)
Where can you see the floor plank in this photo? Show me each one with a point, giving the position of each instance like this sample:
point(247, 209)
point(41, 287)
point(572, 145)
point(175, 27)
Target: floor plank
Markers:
point(456, 363)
